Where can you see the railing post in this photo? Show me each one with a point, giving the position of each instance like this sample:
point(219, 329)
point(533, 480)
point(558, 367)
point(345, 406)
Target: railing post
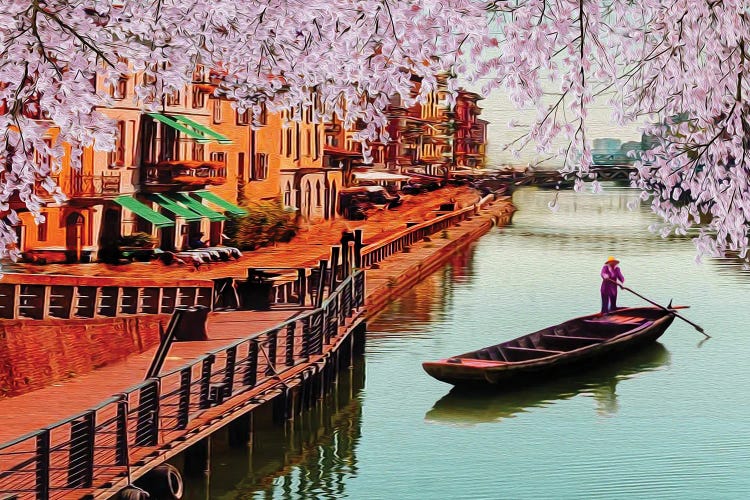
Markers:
point(147, 428)
point(306, 330)
point(230, 366)
point(42, 465)
point(81, 452)
point(250, 377)
point(358, 249)
point(316, 332)
point(205, 393)
point(302, 287)
point(183, 406)
point(346, 237)
point(321, 283)
point(335, 251)
point(122, 457)
point(271, 352)
point(290, 329)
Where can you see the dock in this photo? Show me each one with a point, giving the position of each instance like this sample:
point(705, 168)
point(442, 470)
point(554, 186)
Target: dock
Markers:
point(286, 358)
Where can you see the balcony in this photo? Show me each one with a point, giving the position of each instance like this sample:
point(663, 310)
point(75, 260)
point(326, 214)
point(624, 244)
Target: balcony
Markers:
point(84, 186)
point(93, 186)
point(183, 175)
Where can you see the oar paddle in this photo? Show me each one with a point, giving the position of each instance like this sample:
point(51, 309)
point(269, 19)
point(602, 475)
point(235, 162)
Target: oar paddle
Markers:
point(683, 318)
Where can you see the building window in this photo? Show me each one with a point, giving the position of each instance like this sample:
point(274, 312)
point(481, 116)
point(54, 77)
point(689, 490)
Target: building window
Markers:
point(200, 74)
point(260, 169)
point(316, 141)
point(287, 195)
point(243, 118)
point(174, 98)
point(116, 157)
point(288, 134)
point(133, 141)
point(318, 196)
point(150, 78)
point(121, 89)
point(308, 143)
point(219, 157)
point(217, 110)
point(198, 151)
point(42, 159)
point(263, 118)
point(41, 229)
point(199, 98)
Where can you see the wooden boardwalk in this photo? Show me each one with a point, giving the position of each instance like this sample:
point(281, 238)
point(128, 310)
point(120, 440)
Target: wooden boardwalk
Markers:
point(246, 366)
point(26, 413)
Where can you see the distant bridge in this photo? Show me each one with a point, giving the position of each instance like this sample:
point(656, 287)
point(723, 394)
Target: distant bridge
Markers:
point(554, 178)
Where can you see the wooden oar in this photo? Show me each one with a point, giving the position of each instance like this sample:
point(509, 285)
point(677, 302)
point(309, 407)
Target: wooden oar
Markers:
point(697, 327)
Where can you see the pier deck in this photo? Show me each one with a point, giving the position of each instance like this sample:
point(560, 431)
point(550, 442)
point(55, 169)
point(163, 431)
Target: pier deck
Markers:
point(149, 423)
point(28, 412)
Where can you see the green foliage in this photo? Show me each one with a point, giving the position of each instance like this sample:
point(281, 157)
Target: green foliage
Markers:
point(266, 223)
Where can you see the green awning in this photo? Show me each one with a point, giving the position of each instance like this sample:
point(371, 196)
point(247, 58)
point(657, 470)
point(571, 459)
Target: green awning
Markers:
point(174, 207)
point(143, 211)
point(221, 202)
point(198, 207)
point(203, 129)
point(167, 120)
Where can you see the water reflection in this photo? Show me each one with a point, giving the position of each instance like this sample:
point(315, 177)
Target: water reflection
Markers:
point(470, 408)
point(312, 456)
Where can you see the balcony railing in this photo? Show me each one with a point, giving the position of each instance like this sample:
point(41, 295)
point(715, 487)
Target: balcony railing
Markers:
point(84, 186)
point(184, 173)
point(94, 186)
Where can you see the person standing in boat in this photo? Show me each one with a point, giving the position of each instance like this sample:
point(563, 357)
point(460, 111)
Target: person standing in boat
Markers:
point(611, 275)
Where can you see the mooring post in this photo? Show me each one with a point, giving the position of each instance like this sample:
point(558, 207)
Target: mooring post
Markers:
point(280, 406)
point(239, 431)
point(198, 458)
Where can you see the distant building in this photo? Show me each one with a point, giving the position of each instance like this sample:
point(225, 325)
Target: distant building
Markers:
point(470, 131)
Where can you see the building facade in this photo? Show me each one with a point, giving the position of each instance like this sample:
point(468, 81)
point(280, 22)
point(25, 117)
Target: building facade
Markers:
point(183, 171)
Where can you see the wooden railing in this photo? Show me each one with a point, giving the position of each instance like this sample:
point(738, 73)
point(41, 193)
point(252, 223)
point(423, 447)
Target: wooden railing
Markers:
point(97, 446)
point(35, 296)
point(373, 254)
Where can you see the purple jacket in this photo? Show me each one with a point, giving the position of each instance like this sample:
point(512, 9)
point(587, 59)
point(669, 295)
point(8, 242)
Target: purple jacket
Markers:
point(614, 274)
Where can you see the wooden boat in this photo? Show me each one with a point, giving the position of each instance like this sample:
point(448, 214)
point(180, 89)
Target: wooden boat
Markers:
point(574, 345)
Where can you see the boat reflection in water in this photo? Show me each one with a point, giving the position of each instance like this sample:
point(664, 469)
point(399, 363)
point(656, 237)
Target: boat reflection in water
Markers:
point(462, 407)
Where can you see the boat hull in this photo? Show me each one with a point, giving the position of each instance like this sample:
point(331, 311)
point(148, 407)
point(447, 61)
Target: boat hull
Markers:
point(486, 373)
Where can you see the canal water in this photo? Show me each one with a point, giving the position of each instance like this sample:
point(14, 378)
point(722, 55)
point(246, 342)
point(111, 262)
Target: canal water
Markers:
point(668, 422)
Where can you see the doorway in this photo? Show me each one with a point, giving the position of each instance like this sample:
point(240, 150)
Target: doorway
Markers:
point(74, 236)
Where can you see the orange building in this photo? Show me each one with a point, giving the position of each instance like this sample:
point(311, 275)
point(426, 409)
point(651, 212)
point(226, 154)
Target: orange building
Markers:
point(309, 184)
point(168, 176)
point(187, 168)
